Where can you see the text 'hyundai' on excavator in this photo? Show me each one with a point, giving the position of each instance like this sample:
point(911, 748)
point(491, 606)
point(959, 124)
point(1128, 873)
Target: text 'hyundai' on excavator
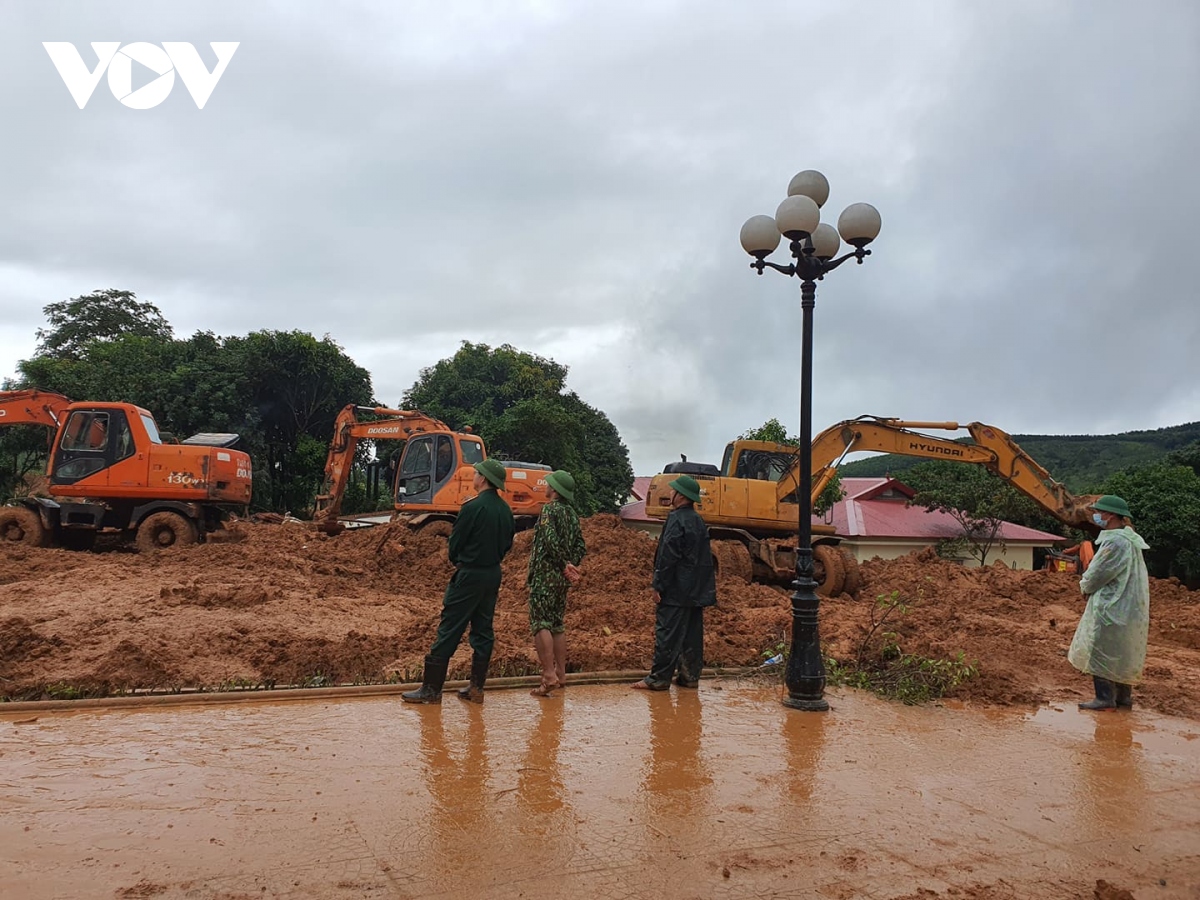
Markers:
point(750, 503)
point(111, 471)
point(433, 476)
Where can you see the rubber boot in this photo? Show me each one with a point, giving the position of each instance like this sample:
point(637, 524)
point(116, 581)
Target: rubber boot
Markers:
point(433, 679)
point(473, 692)
point(1104, 695)
point(1124, 696)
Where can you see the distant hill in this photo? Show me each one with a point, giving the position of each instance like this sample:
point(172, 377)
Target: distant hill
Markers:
point(1080, 461)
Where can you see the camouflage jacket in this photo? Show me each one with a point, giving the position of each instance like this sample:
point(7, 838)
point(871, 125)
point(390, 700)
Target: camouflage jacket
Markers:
point(557, 540)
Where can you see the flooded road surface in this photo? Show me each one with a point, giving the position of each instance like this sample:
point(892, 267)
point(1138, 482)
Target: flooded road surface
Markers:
point(600, 792)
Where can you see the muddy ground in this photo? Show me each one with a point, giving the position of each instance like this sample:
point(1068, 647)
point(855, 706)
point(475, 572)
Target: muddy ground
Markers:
point(287, 606)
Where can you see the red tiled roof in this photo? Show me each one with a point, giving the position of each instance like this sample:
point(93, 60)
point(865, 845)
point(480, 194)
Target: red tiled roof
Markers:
point(636, 512)
point(641, 487)
point(862, 514)
point(867, 488)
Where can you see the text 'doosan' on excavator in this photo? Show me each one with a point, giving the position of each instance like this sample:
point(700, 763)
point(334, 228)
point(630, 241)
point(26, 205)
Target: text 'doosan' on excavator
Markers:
point(750, 502)
point(110, 471)
point(434, 475)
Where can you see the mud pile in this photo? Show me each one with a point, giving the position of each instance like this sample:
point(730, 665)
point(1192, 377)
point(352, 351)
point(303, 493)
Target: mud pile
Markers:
point(287, 605)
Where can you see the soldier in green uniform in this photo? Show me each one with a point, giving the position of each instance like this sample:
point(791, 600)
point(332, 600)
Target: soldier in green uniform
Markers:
point(482, 535)
point(684, 584)
point(553, 567)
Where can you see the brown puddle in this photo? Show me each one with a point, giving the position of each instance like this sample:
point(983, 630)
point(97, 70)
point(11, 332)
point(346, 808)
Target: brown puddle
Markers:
point(600, 792)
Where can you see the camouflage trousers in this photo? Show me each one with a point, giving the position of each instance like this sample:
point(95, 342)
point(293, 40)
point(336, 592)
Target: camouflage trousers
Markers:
point(547, 607)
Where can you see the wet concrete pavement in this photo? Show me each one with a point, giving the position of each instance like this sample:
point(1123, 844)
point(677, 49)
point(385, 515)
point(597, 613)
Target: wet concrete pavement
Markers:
point(599, 792)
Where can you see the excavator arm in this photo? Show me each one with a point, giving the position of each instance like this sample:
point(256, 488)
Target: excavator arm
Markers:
point(394, 424)
point(992, 448)
point(32, 407)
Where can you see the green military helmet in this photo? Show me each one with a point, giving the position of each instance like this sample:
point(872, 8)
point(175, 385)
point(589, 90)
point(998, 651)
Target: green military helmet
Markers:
point(687, 486)
point(563, 483)
point(493, 471)
point(1111, 503)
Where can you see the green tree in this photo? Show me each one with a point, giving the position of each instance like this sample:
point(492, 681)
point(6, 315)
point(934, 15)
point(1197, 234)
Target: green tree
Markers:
point(770, 430)
point(519, 404)
point(774, 431)
point(98, 316)
point(1165, 501)
point(1187, 456)
point(975, 498)
point(295, 387)
point(22, 455)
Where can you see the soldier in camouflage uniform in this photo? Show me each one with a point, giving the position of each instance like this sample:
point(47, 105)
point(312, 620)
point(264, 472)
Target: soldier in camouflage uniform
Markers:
point(557, 552)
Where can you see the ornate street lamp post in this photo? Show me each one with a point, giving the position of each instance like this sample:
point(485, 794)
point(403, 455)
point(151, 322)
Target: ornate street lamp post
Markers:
point(813, 246)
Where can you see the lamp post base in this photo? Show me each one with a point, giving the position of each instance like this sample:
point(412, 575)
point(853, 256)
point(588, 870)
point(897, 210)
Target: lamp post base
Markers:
point(805, 673)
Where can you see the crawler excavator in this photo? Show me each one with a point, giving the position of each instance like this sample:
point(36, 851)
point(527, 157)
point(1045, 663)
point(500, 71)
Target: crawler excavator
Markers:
point(751, 508)
point(433, 477)
point(111, 471)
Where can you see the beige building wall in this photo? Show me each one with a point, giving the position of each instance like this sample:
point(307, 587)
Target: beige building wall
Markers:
point(1015, 556)
point(654, 529)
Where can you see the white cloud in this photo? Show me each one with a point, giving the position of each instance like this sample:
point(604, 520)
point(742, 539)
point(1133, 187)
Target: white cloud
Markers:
point(571, 179)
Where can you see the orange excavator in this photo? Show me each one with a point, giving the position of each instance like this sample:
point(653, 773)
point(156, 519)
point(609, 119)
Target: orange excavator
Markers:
point(750, 502)
point(433, 476)
point(110, 470)
point(1072, 560)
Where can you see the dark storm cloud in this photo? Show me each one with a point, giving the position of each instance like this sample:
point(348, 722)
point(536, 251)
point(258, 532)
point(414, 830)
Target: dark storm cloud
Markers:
point(571, 179)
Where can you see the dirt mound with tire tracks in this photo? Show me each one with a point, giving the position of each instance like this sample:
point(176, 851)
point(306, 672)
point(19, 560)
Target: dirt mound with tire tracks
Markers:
point(287, 605)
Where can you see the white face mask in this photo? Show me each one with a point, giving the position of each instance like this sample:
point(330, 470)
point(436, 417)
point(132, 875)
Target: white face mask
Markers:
point(1099, 520)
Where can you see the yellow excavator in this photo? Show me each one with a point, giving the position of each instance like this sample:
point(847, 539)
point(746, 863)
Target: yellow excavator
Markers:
point(751, 508)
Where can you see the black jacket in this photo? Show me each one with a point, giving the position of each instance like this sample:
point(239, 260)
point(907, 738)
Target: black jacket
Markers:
point(683, 568)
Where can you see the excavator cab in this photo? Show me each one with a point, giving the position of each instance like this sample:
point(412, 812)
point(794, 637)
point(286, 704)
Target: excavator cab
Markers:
point(93, 440)
point(430, 462)
point(757, 460)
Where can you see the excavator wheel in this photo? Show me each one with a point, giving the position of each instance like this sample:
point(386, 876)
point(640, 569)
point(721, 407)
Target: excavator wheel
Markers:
point(732, 561)
point(19, 525)
point(163, 530)
point(853, 583)
point(828, 569)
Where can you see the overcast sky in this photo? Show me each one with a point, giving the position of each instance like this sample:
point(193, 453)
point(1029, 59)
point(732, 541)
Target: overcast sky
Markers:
point(570, 178)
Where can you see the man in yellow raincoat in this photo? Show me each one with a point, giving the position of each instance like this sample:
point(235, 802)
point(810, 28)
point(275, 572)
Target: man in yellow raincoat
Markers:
point(1110, 642)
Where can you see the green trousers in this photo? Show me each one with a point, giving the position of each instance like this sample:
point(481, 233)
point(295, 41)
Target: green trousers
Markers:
point(470, 599)
point(678, 645)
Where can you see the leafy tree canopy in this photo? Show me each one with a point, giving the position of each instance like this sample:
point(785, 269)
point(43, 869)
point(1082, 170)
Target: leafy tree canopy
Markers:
point(1165, 501)
point(978, 500)
point(519, 405)
point(770, 430)
point(1187, 456)
point(98, 316)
